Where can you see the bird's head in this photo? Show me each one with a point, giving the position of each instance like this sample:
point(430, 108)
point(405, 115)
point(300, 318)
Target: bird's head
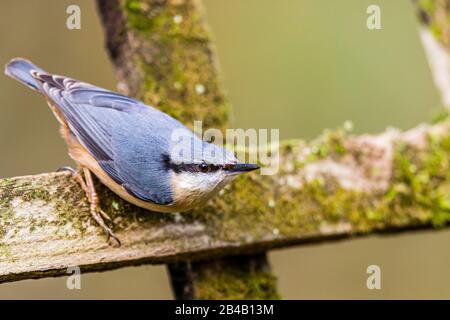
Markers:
point(199, 169)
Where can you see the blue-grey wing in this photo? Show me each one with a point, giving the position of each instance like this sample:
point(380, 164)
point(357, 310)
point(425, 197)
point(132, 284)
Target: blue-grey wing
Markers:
point(125, 136)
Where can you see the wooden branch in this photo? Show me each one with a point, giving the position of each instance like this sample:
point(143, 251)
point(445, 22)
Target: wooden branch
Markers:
point(162, 53)
point(247, 277)
point(335, 187)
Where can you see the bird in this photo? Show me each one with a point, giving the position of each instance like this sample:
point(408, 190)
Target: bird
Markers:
point(142, 154)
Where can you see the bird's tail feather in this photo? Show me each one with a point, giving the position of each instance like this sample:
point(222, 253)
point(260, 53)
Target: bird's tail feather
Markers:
point(20, 69)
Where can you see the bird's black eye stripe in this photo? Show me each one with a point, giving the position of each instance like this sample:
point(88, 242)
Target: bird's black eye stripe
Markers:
point(202, 167)
point(189, 167)
point(197, 167)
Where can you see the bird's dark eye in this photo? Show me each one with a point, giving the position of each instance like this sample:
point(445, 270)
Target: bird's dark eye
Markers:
point(203, 167)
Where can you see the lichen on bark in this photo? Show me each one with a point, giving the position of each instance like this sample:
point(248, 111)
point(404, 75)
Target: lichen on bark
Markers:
point(408, 187)
point(244, 279)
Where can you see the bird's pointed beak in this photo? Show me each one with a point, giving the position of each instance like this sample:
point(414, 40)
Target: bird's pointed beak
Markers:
point(241, 167)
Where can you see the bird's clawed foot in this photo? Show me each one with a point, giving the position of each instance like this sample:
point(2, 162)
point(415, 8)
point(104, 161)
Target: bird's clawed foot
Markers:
point(87, 184)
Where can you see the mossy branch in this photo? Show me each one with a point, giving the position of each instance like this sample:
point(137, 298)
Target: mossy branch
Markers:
point(162, 52)
point(247, 277)
point(335, 187)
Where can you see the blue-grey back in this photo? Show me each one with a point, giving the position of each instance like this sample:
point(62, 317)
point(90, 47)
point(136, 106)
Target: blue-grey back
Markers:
point(125, 136)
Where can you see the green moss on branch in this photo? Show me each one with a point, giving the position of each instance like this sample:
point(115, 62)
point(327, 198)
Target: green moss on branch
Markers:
point(417, 194)
point(235, 284)
point(237, 277)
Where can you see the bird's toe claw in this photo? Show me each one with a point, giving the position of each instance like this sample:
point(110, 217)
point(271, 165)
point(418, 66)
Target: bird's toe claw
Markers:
point(112, 238)
point(106, 216)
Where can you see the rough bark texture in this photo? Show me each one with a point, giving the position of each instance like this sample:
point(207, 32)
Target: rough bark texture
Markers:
point(332, 188)
point(435, 34)
point(162, 52)
point(247, 277)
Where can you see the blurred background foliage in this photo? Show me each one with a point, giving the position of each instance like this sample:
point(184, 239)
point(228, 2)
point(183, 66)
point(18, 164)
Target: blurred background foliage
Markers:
point(297, 65)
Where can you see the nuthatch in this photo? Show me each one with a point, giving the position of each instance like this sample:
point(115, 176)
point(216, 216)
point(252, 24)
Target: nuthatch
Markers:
point(130, 147)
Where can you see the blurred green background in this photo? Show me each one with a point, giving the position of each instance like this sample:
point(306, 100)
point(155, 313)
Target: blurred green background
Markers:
point(297, 65)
